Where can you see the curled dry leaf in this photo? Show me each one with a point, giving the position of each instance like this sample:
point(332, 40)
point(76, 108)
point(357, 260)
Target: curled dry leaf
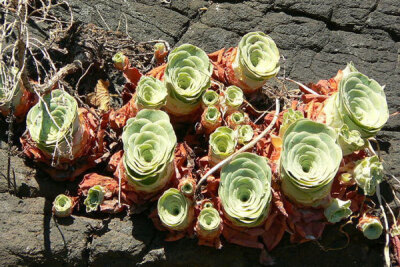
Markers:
point(100, 98)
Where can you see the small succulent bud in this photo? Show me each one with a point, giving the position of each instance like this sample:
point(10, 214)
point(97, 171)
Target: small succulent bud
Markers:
point(120, 61)
point(63, 206)
point(94, 198)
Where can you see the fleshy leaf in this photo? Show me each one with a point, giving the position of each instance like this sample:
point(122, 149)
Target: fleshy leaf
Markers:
point(368, 173)
point(338, 210)
point(94, 198)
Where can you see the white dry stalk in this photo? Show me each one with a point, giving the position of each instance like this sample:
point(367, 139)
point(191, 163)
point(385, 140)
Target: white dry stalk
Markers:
point(378, 195)
point(244, 148)
point(299, 84)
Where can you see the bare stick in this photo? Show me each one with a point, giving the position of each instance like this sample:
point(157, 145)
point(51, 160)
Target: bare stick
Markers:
point(244, 148)
point(378, 194)
point(300, 84)
point(64, 71)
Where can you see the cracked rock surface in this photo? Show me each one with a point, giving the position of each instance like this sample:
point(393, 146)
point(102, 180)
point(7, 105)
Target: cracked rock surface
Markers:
point(316, 38)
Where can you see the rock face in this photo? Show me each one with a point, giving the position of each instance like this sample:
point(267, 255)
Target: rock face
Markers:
point(316, 38)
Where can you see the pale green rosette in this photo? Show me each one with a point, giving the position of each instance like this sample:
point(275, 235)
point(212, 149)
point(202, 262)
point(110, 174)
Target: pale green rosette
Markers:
point(360, 104)
point(338, 210)
point(310, 159)
point(150, 93)
point(94, 198)
point(149, 143)
point(54, 122)
point(186, 77)
point(62, 206)
point(371, 228)
point(175, 210)
point(209, 221)
point(368, 173)
point(237, 118)
point(10, 89)
point(245, 190)
point(245, 134)
point(212, 115)
point(257, 60)
point(210, 98)
point(289, 117)
point(233, 98)
point(222, 142)
point(350, 141)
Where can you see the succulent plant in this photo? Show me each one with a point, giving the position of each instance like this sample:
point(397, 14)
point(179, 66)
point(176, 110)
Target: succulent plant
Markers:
point(368, 173)
point(289, 117)
point(120, 61)
point(175, 210)
point(186, 77)
point(150, 93)
point(245, 190)
point(237, 118)
point(210, 98)
point(211, 119)
point(310, 159)
point(222, 142)
point(350, 141)
point(62, 206)
point(257, 60)
point(53, 122)
point(245, 134)
point(337, 210)
point(149, 143)
point(370, 226)
point(209, 222)
point(360, 104)
point(233, 98)
point(94, 198)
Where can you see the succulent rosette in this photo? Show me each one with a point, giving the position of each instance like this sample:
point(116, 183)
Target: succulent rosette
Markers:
point(149, 143)
point(94, 198)
point(150, 93)
point(233, 98)
point(63, 206)
point(350, 141)
point(289, 117)
point(210, 98)
point(211, 119)
point(337, 210)
point(368, 173)
point(186, 77)
point(209, 223)
point(245, 134)
point(370, 226)
point(237, 118)
point(257, 60)
point(53, 123)
point(360, 104)
point(245, 190)
point(310, 159)
point(175, 210)
point(222, 142)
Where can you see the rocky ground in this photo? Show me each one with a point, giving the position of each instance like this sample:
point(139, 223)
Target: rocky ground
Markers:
point(316, 37)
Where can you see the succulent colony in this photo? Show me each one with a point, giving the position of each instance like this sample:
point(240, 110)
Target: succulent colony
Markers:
point(296, 171)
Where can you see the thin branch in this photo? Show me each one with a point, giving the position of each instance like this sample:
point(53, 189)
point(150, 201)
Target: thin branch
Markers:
point(64, 71)
point(299, 84)
point(244, 148)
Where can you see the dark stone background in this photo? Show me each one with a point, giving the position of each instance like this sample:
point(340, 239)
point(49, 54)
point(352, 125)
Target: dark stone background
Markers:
point(316, 37)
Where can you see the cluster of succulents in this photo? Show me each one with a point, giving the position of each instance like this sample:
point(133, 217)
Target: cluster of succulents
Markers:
point(320, 148)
